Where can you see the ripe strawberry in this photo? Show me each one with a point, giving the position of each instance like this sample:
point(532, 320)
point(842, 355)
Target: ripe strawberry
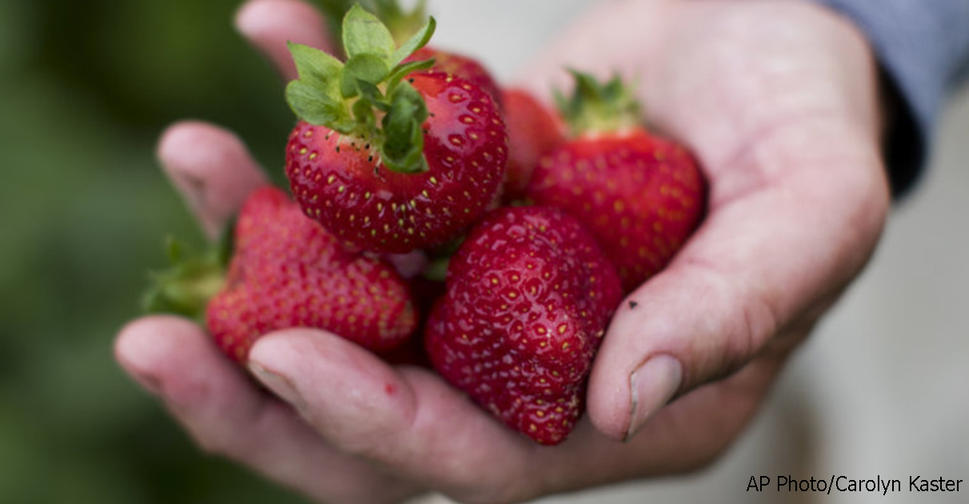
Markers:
point(287, 271)
point(532, 131)
point(390, 156)
point(529, 295)
point(641, 195)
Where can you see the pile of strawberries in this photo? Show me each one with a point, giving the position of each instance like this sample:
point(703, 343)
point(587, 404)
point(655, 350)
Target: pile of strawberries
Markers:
point(441, 218)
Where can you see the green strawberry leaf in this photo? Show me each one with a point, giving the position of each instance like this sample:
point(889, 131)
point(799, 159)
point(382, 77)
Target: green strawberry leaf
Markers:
point(187, 285)
point(363, 113)
point(318, 69)
point(312, 63)
point(316, 108)
point(349, 97)
point(598, 108)
point(403, 147)
point(365, 67)
point(585, 84)
point(417, 41)
point(316, 96)
point(363, 33)
point(370, 93)
point(401, 71)
point(613, 89)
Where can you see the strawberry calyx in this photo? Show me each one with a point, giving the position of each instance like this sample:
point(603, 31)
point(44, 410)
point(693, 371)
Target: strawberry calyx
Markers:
point(366, 97)
point(193, 278)
point(597, 108)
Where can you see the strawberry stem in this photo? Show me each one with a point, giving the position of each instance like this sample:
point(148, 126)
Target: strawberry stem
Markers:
point(348, 97)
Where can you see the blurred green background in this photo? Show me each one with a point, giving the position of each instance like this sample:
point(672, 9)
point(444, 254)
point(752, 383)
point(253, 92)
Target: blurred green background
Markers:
point(85, 89)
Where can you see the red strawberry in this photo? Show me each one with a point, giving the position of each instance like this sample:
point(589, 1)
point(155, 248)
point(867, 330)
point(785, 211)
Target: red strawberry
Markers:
point(532, 131)
point(287, 271)
point(641, 195)
point(461, 66)
point(390, 164)
point(528, 298)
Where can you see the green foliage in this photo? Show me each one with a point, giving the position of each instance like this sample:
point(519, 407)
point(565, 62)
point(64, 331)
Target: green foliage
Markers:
point(598, 107)
point(86, 89)
point(363, 33)
point(188, 284)
point(347, 97)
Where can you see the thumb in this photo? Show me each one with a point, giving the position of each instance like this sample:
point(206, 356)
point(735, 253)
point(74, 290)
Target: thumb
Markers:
point(761, 263)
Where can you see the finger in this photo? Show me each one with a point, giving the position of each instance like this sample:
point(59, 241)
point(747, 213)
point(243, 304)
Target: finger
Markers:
point(683, 437)
point(211, 168)
point(227, 414)
point(757, 263)
point(269, 24)
point(408, 419)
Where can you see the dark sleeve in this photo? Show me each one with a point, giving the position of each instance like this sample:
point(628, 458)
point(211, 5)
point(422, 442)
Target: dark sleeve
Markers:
point(923, 51)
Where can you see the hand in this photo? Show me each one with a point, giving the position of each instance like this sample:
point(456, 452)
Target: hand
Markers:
point(778, 101)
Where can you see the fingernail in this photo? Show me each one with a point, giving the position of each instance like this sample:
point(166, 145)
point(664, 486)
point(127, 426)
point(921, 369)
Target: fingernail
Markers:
point(278, 384)
point(651, 386)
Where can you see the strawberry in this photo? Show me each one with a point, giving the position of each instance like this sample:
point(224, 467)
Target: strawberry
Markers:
point(390, 156)
point(528, 298)
point(532, 131)
point(287, 271)
point(641, 195)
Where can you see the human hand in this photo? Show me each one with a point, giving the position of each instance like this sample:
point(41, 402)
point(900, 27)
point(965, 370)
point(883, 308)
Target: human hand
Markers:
point(783, 116)
point(779, 102)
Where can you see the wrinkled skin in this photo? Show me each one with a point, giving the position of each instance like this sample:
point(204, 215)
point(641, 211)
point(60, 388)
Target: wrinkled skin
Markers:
point(784, 118)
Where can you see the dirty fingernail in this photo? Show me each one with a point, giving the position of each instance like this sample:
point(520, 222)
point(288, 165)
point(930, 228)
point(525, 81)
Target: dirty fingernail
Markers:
point(278, 384)
point(651, 386)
